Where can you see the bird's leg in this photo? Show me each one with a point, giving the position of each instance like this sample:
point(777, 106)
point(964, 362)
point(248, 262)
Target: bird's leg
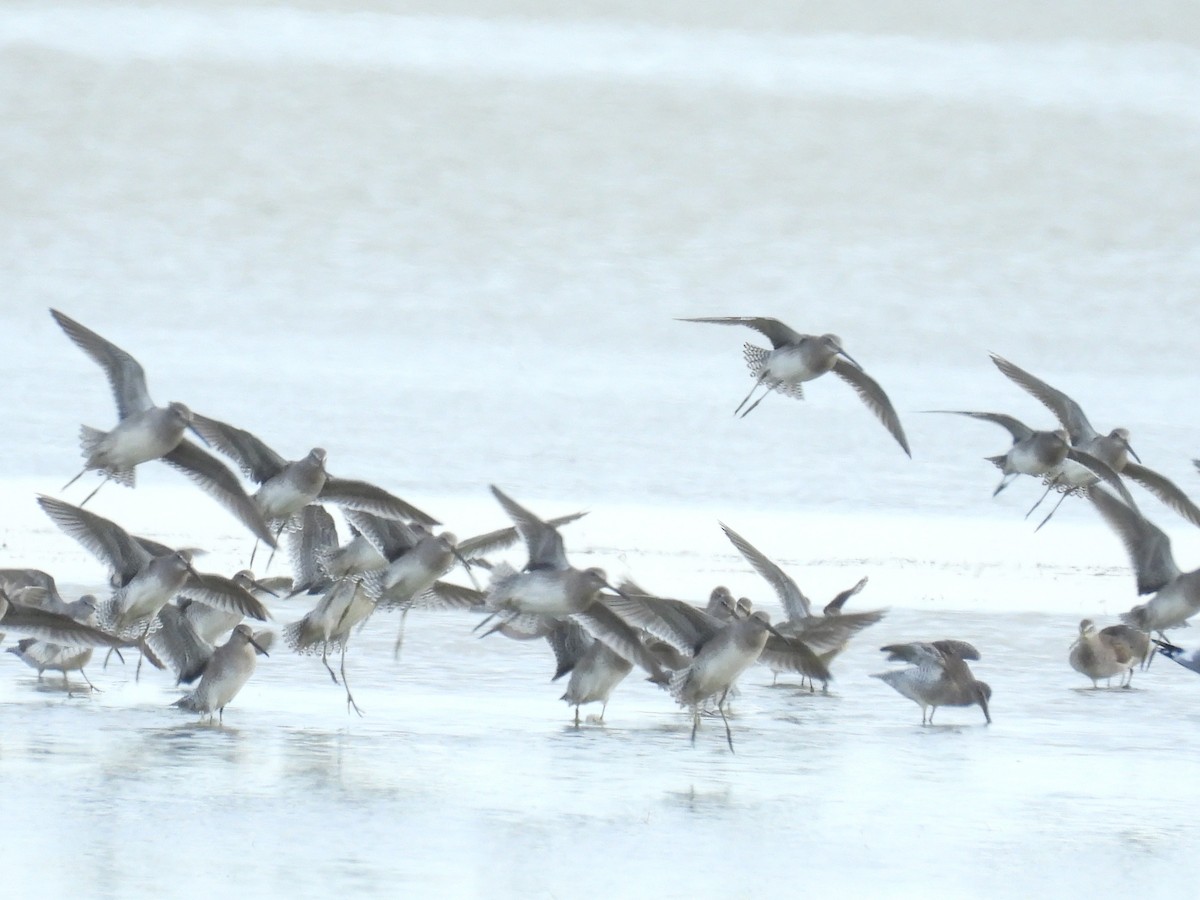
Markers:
point(325, 661)
point(400, 634)
point(750, 409)
point(278, 534)
point(721, 710)
point(88, 680)
point(75, 479)
point(253, 551)
point(1053, 511)
point(1005, 482)
point(138, 671)
point(695, 722)
point(1045, 494)
point(758, 381)
point(349, 697)
point(603, 707)
point(576, 715)
point(94, 490)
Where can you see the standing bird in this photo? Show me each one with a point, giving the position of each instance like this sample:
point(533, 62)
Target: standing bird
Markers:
point(710, 653)
point(1176, 594)
point(796, 358)
point(1112, 448)
point(147, 432)
point(43, 655)
point(937, 675)
point(1102, 654)
point(717, 665)
point(230, 666)
point(595, 668)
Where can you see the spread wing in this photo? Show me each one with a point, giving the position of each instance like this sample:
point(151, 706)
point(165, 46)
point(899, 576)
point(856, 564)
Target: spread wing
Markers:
point(872, 395)
point(124, 373)
point(775, 331)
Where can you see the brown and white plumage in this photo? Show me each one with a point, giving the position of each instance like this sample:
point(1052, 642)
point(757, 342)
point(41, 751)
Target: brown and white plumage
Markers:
point(227, 670)
point(1112, 448)
point(825, 635)
point(1102, 653)
point(146, 432)
point(937, 675)
point(796, 358)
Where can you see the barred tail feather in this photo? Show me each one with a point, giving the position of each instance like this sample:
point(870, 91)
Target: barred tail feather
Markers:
point(756, 359)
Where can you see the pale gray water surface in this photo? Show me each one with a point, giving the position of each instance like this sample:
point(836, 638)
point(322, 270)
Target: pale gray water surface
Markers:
point(447, 242)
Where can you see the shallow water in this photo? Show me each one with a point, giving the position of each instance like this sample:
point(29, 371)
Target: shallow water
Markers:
point(447, 243)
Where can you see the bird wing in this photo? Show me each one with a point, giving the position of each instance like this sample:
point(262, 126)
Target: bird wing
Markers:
point(958, 649)
point(257, 461)
point(316, 536)
point(1148, 547)
point(1066, 410)
point(542, 540)
point(785, 654)
point(775, 331)
point(872, 395)
point(1104, 470)
point(366, 497)
point(679, 624)
point(12, 580)
point(1018, 429)
point(223, 593)
point(1164, 489)
point(834, 606)
point(569, 640)
point(179, 646)
point(916, 653)
point(795, 604)
point(825, 633)
point(218, 482)
point(615, 633)
point(54, 627)
point(447, 595)
point(125, 374)
point(103, 538)
point(505, 537)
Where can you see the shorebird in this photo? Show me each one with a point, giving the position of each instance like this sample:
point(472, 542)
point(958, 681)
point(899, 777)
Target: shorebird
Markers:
point(710, 653)
point(1112, 448)
point(718, 663)
point(550, 588)
point(55, 627)
point(230, 666)
point(146, 432)
point(145, 581)
point(595, 668)
point(1103, 653)
point(1176, 594)
point(1040, 453)
point(1189, 659)
point(188, 629)
point(288, 486)
point(327, 626)
point(44, 655)
point(825, 634)
point(796, 358)
point(937, 675)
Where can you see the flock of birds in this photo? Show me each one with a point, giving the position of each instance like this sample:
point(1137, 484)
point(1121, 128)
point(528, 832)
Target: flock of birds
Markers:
point(197, 624)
